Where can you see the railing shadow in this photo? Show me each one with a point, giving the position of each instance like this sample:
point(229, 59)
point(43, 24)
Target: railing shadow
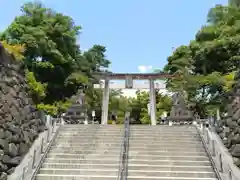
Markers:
point(219, 155)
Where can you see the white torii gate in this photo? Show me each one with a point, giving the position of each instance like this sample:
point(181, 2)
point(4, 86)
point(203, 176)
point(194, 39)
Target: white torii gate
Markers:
point(129, 84)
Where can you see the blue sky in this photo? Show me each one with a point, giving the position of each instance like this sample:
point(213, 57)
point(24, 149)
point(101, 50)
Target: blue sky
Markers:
point(137, 33)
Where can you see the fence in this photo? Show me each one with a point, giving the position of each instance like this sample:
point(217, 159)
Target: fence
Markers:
point(30, 164)
point(221, 158)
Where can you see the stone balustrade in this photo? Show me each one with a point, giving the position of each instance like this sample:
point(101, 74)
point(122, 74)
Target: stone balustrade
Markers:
point(219, 154)
point(30, 164)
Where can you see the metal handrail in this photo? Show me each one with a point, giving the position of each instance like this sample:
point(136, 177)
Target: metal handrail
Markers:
point(123, 161)
point(219, 155)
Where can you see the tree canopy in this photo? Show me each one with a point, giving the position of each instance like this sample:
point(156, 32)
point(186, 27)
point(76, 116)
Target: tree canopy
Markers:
point(55, 67)
point(139, 106)
point(205, 68)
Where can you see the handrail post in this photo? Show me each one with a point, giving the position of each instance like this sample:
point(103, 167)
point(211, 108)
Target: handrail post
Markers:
point(213, 148)
point(221, 163)
point(48, 134)
point(229, 174)
point(42, 144)
point(34, 158)
point(23, 173)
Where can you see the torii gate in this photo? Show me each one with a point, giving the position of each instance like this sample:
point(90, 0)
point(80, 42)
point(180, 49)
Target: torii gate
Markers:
point(129, 77)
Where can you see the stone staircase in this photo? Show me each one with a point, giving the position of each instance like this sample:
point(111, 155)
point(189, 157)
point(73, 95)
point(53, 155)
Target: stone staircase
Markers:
point(167, 152)
point(91, 152)
point(83, 152)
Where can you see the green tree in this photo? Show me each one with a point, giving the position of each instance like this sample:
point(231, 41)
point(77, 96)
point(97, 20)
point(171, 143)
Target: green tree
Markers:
point(118, 104)
point(56, 68)
point(203, 68)
point(235, 3)
point(139, 109)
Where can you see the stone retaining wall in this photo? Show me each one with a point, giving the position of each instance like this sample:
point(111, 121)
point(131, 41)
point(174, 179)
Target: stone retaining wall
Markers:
point(20, 122)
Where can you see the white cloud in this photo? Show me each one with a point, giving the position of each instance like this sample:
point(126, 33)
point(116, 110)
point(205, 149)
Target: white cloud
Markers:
point(144, 69)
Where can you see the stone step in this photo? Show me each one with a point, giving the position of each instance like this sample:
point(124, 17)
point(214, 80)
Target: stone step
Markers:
point(171, 174)
point(160, 141)
point(78, 166)
point(162, 131)
point(170, 140)
point(85, 151)
point(93, 143)
point(113, 128)
point(120, 134)
point(130, 167)
point(167, 131)
point(131, 157)
point(169, 153)
point(73, 132)
point(92, 135)
point(114, 172)
point(132, 143)
point(161, 126)
point(91, 125)
point(83, 161)
point(165, 145)
point(89, 147)
point(86, 139)
point(120, 138)
point(132, 128)
point(164, 178)
point(166, 136)
point(136, 148)
point(164, 127)
point(91, 129)
point(156, 135)
point(131, 161)
point(84, 177)
point(166, 153)
point(82, 156)
point(99, 148)
point(153, 136)
point(132, 134)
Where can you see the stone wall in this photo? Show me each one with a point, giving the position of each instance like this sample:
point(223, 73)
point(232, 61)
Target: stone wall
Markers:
point(20, 122)
point(228, 127)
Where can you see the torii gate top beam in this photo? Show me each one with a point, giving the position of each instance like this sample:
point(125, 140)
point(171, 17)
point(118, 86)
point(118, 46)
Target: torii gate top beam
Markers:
point(136, 76)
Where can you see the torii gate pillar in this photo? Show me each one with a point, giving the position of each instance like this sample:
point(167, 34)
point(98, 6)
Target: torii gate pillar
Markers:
point(105, 102)
point(152, 103)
